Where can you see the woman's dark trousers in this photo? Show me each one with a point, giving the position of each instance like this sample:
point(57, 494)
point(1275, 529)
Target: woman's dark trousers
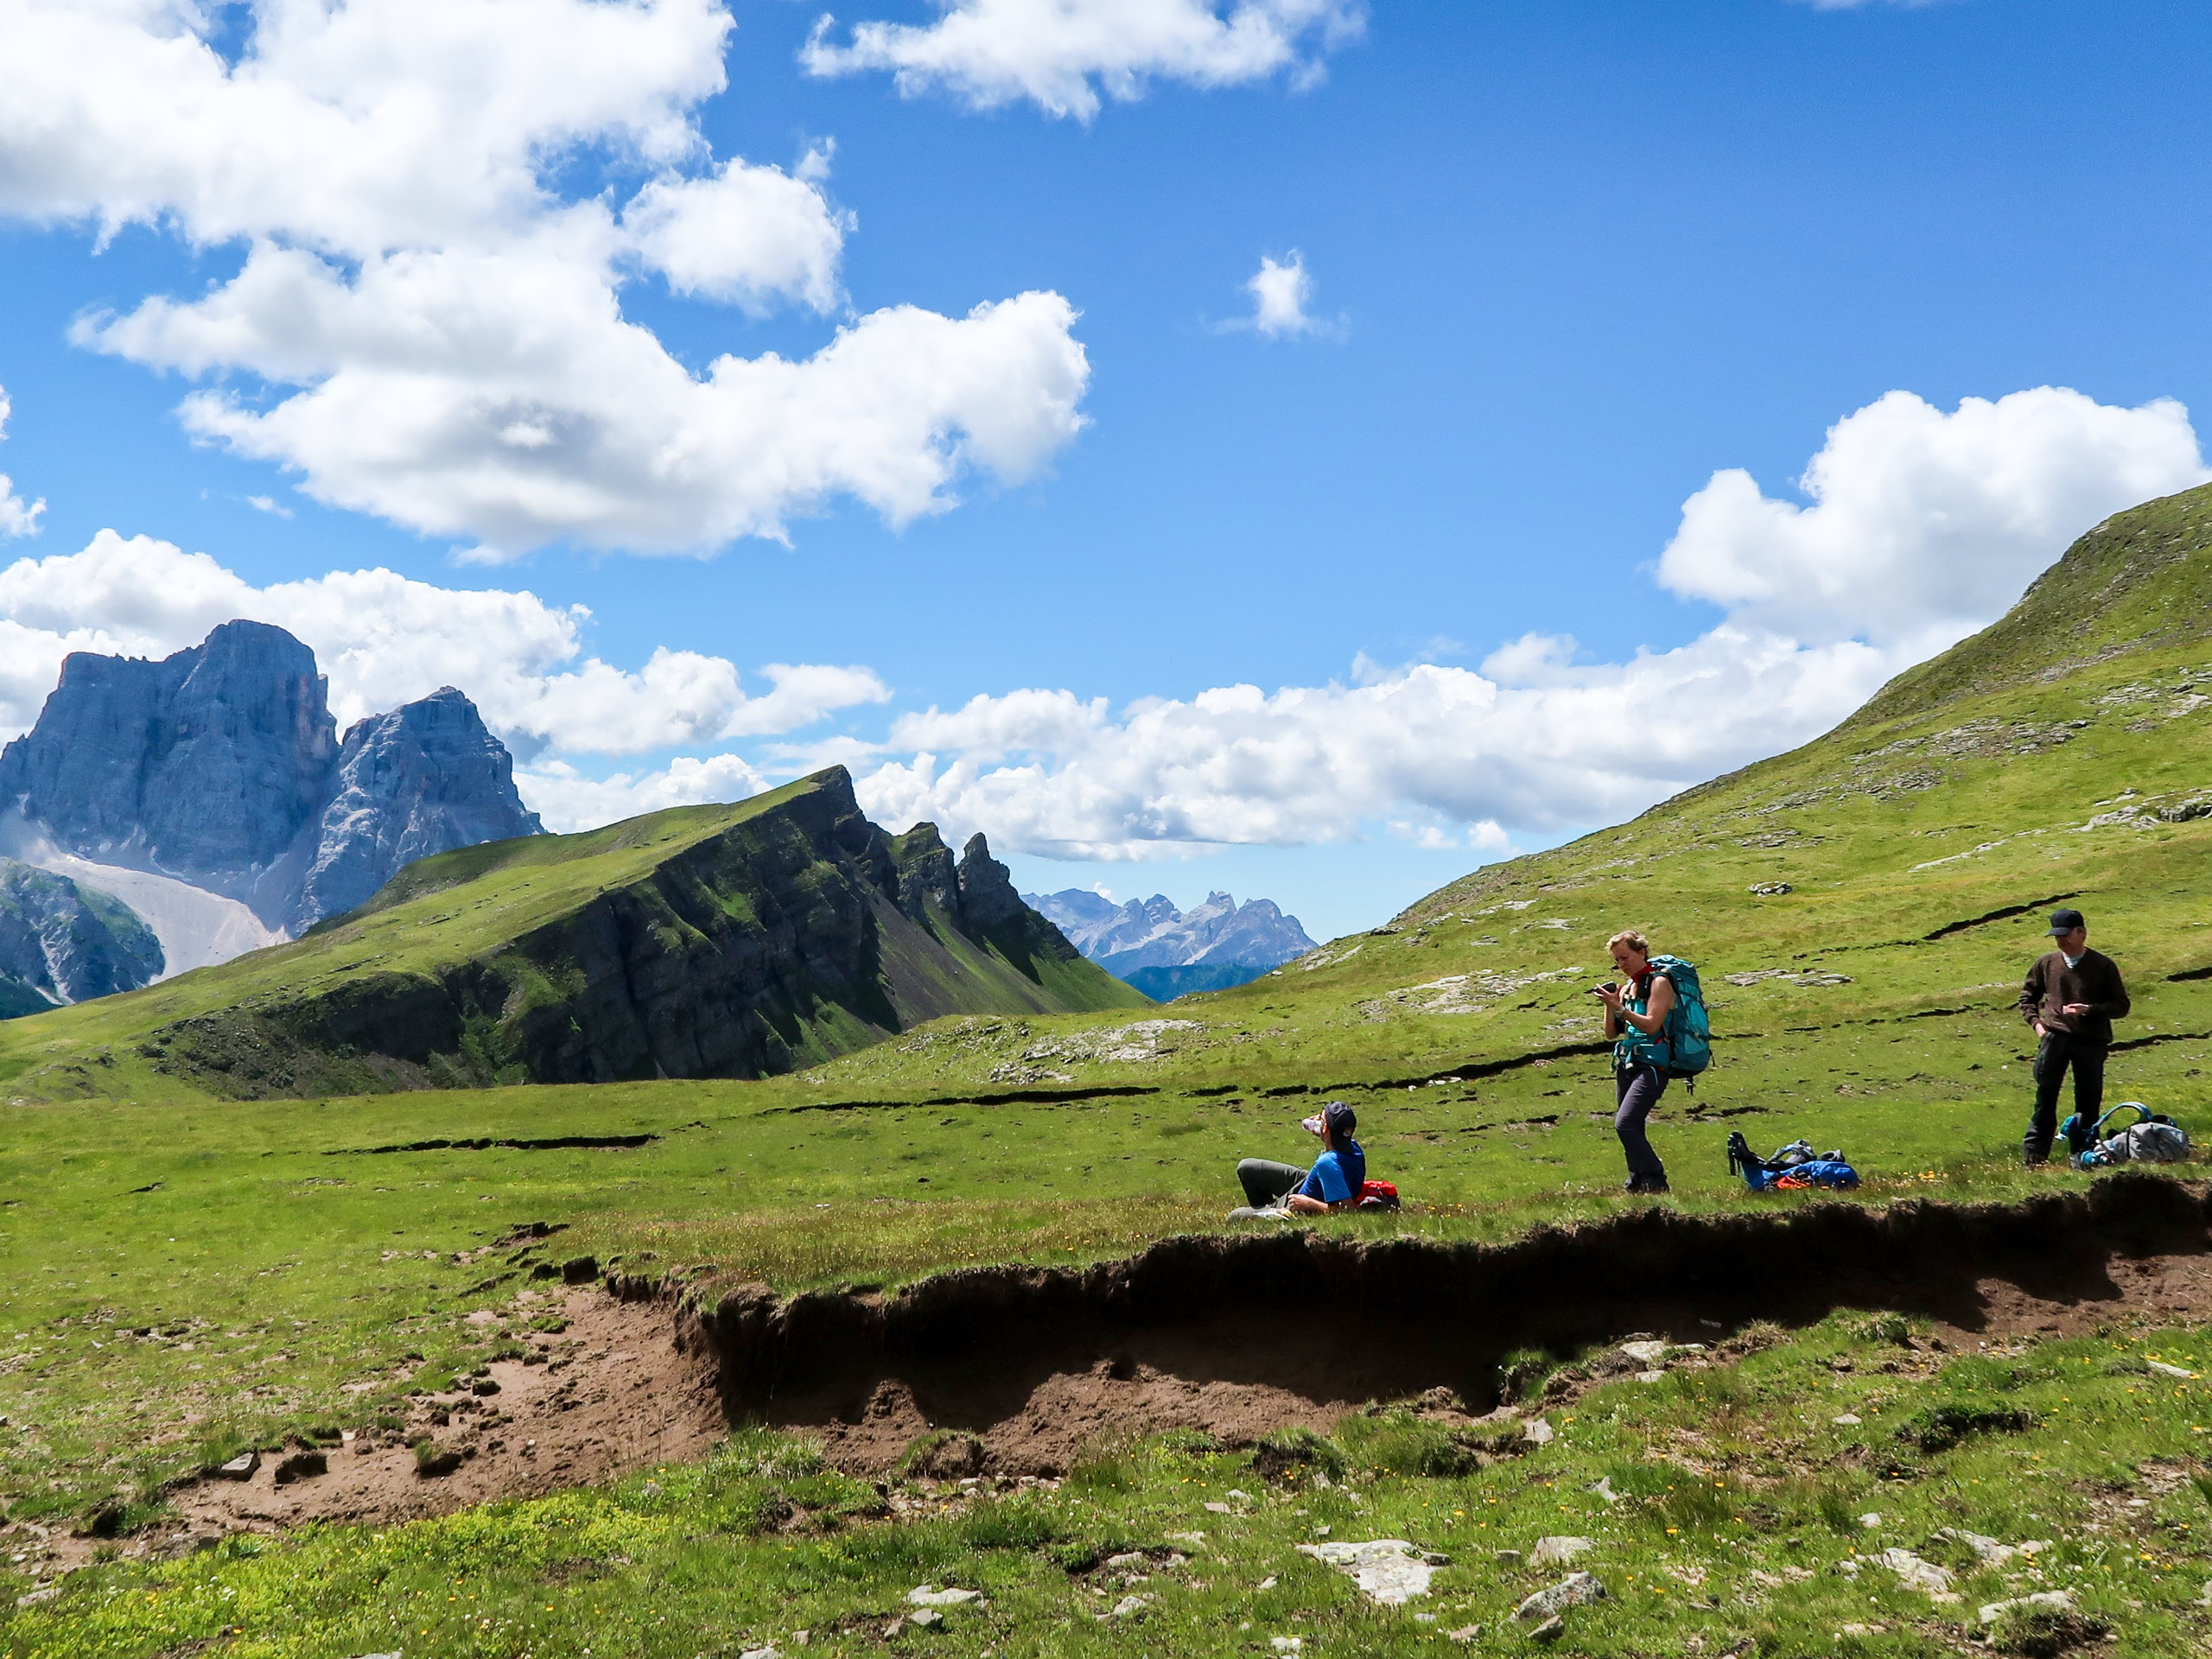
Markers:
point(1637, 1089)
point(2057, 1050)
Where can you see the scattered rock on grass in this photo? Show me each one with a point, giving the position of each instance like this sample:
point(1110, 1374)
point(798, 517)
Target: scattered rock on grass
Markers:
point(1989, 1551)
point(2049, 1601)
point(1465, 1633)
point(1915, 1574)
point(1128, 1605)
point(1390, 1570)
point(1537, 1432)
point(1550, 1630)
point(928, 1595)
point(1558, 1551)
point(1575, 1590)
point(925, 1619)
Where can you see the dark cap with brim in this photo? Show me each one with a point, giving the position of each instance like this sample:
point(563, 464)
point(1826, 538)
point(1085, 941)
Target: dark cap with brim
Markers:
point(2063, 922)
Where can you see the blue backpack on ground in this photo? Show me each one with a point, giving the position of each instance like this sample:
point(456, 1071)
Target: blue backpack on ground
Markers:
point(1795, 1167)
point(1683, 1046)
point(2145, 1137)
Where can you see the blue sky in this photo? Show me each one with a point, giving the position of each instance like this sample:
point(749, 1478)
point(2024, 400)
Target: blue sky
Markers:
point(1567, 263)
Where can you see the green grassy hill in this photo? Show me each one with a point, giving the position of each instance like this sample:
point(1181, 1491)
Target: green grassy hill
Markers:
point(1862, 908)
point(708, 941)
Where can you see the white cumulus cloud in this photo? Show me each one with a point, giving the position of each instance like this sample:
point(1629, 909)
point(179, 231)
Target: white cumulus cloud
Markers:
point(1063, 54)
point(567, 800)
point(1922, 527)
point(1280, 292)
point(383, 640)
point(16, 518)
point(439, 203)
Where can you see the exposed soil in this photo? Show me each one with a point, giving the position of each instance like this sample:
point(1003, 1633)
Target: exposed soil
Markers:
point(1239, 1336)
point(1235, 1337)
point(615, 1395)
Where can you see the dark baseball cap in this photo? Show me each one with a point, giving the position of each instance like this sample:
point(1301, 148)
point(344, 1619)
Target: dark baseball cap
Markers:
point(1336, 1118)
point(2063, 922)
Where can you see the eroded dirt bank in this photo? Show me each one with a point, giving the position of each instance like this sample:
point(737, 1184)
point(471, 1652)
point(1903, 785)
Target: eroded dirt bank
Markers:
point(1240, 1335)
point(1236, 1336)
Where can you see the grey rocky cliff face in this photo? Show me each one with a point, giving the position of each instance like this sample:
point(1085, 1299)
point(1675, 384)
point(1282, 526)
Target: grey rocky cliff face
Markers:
point(425, 778)
point(1152, 933)
point(211, 761)
point(221, 766)
point(66, 942)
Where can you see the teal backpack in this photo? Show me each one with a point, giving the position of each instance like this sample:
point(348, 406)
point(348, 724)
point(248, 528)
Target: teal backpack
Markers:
point(1685, 1047)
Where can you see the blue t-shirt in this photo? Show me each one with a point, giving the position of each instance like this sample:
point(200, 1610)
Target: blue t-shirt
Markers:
point(1336, 1176)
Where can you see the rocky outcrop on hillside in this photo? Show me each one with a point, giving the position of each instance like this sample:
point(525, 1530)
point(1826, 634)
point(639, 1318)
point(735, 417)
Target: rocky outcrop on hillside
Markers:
point(1152, 933)
point(61, 943)
point(221, 766)
point(797, 931)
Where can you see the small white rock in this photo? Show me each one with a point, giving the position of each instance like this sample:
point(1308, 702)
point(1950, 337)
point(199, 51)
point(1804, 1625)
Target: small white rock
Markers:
point(1847, 1419)
point(1389, 1570)
point(1558, 1550)
point(1870, 1519)
point(929, 1595)
point(1286, 1643)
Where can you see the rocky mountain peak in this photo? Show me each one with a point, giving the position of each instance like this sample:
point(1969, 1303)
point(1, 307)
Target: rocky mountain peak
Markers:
point(1152, 933)
point(221, 766)
point(987, 896)
point(427, 777)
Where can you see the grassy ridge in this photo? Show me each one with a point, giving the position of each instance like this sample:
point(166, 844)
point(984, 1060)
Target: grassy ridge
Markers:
point(716, 941)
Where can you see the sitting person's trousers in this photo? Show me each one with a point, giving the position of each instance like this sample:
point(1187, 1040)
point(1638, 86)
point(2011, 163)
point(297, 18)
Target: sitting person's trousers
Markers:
point(1267, 1184)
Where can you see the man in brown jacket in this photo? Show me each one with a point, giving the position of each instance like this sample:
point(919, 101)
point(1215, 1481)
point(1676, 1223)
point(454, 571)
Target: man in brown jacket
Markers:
point(2071, 997)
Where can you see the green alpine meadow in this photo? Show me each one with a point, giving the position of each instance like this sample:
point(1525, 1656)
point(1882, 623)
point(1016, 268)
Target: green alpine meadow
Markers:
point(904, 1229)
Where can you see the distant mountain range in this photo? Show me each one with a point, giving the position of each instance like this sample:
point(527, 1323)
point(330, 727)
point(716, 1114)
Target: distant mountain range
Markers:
point(209, 794)
point(1165, 952)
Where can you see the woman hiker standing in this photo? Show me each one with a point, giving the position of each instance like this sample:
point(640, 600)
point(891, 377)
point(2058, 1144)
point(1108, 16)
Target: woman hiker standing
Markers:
point(1634, 1014)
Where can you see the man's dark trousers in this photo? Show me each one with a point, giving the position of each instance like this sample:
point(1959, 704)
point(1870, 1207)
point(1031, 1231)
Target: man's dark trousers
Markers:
point(2057, 1050)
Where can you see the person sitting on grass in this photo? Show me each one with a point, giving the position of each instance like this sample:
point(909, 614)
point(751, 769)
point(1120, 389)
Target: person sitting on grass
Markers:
point(1332, 1184)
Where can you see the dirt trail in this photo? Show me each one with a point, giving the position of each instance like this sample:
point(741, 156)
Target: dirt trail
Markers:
point(1232, 1336)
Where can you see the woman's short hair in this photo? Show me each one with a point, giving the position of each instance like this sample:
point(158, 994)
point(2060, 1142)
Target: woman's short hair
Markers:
point(1634, 940)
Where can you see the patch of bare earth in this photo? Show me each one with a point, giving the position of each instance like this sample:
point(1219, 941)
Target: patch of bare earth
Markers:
point(614, 1395)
